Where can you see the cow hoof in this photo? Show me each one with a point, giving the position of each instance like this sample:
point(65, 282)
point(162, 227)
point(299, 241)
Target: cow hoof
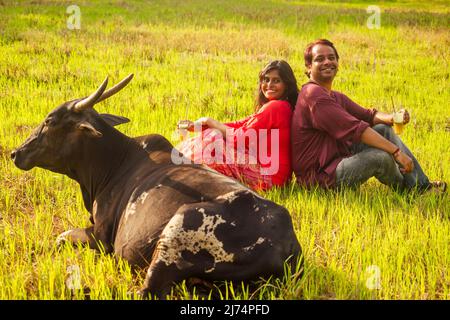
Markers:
point(143, 294)
point(61, 240)
point(60, 243)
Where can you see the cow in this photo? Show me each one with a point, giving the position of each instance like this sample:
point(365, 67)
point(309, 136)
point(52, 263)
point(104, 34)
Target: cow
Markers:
point(181, 221)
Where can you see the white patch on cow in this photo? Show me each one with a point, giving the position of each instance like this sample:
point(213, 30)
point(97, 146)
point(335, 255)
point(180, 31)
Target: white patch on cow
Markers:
point(256, 208)
point(266, 217)
point(63, 236)
point(252, 246)
point(144, 145)
point(131, 206)
point(233, 223)
point(142, 197)
point(174, 240)
point(94, 210)
point(259, 241)
point(209, 270)
point(130, 210)
point(230, 196)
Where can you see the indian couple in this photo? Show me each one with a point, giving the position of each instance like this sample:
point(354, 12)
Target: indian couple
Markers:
point(320, 134)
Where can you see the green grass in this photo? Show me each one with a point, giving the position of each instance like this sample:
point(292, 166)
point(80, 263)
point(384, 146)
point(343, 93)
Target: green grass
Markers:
point(201, 58)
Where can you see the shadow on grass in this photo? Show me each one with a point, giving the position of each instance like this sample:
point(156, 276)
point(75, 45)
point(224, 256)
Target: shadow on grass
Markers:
point(288, 287)
point(317, 283)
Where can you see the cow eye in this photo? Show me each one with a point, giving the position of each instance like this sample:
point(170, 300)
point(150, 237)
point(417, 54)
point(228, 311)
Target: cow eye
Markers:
point(48, 121)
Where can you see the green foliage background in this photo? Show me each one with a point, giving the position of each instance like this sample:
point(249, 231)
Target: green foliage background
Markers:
point(201, 58)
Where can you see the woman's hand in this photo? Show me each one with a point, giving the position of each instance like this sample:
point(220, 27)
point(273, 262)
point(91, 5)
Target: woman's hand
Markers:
point(208, 122)
point(203, 123)
point(185, 124)
point(211, 123)
point(405, 162)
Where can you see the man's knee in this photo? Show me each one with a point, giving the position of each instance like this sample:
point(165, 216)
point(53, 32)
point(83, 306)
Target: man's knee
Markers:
point(382, 162)
point(384, 158)
point(383, 129)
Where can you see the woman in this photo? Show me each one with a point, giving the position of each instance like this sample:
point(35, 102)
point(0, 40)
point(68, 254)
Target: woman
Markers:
point(254, 150)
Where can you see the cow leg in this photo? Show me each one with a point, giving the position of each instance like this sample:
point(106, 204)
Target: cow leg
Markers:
point(85, 236)
point(160, 279)
point(187, 248)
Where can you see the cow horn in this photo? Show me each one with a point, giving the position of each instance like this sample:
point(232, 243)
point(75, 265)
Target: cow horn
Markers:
point(108, 93)
point(92, 99)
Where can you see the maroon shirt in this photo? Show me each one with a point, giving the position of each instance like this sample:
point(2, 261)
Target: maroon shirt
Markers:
point(324, 126)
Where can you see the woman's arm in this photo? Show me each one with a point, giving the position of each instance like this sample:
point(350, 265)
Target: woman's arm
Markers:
point(272, 112)
point(202, 123)
point(213, 124)
point(237, 124)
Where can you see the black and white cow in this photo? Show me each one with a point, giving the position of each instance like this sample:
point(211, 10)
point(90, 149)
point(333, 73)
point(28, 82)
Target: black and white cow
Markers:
point(180, 221)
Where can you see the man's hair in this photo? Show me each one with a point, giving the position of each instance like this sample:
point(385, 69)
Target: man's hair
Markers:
point(288, 77)
point(308, 51)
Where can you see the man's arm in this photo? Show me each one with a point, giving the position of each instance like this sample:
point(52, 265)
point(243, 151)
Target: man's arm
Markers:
point(388, 118)
point(363, 114)
point(383, 118)
point(372, 138)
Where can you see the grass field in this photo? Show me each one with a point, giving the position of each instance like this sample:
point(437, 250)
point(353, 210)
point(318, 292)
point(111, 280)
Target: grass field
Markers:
point(201, 58)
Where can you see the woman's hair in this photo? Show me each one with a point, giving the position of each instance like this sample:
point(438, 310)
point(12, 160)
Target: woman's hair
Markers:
point(288, 77)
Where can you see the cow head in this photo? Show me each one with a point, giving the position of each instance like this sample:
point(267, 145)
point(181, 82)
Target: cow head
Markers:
point(69, 125)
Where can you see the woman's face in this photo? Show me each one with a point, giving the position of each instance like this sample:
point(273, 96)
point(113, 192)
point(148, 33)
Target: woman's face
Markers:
point(272, 86)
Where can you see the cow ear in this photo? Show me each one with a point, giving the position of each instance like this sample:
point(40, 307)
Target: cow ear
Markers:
point(89, 129)
point(113, 120)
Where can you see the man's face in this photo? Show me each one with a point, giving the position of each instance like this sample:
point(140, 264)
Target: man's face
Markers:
point(324, 64)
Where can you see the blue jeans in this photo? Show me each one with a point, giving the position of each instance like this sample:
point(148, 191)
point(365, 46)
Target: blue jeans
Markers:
point(368, 162)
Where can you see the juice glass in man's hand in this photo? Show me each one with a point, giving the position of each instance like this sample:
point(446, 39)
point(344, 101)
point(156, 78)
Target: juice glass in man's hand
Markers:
point(398, 118)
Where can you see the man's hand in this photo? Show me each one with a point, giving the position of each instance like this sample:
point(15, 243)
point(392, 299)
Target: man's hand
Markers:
point(388, 118)
point(405, 162)
point(405, 116)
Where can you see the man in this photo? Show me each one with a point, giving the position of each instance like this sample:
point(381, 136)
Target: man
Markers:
point(336, 142)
